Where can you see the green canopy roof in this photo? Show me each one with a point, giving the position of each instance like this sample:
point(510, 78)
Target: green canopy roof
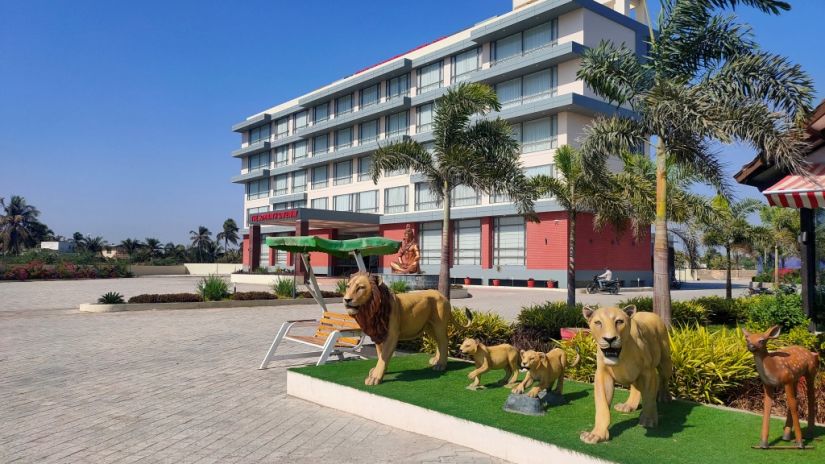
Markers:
point(368, 246)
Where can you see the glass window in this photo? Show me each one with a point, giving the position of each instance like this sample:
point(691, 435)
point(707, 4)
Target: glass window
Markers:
point(281, 184)
point(343, 138)
point(398, 87)
point(299, 204)
point(508, 241)
point(509, 92)
point(364, 167)
point(424, 197)
point(546, 170)
point(508, 47)
point(538, 85)
point(259, 133)
point(369, 132)
point(319, 176)
point(467, 242)
point(281, 155)
point(320, 145)
point(343, 172)
point(397, 124)
point(465, 196)
point(429, 234)
point(321, 112)
point(258, 162)
point(250, 211)
point(429, 77)
point(396, 172)
point(464, 64)
point(343, 105)
point(342, 202)
point(257, 189)
point(299, 150)
point(424, 114)
point(367, 202)
point(395, 200)
point(299, 181)
point(539, 134)
point(281, 128)
point(319, 203)
point(369, 96)
point(301, 119)
point(540, 36)
point(280, 206)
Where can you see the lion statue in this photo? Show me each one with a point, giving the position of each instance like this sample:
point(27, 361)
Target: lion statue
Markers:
point(633, 349)
point(544, 368)
point(486, 358)
point(388, 318)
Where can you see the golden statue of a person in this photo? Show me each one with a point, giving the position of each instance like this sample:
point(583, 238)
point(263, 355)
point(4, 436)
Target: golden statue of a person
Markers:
point(408, 255)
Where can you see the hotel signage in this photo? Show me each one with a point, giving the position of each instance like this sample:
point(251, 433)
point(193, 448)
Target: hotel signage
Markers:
point(274, 215)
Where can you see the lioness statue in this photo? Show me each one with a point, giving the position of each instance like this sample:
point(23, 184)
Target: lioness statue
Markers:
point(544, 368)
point(388, 318)
point(633, 349)
point(485, 357)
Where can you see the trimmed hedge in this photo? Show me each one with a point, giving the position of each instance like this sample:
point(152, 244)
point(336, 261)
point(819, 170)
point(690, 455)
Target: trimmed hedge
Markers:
point(166, 298)
point(246, 296)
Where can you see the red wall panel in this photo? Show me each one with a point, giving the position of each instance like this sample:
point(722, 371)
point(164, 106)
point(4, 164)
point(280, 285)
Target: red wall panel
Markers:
point(547, 241)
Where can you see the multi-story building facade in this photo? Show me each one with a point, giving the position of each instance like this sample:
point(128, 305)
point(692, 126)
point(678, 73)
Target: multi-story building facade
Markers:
point(304, 163)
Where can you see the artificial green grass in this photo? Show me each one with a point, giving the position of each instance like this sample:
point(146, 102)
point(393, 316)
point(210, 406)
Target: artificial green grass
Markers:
point(687, 432)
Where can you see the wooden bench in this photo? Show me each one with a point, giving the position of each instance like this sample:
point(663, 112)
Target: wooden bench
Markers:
point(335, 334)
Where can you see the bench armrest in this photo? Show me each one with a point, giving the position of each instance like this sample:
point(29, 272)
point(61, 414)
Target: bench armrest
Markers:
point(303, 320)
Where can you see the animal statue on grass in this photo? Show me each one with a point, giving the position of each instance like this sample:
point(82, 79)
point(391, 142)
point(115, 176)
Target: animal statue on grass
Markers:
point(633, 349)
point(784, 368)
point(544, 368)
point(388, 318)
point(486, 358)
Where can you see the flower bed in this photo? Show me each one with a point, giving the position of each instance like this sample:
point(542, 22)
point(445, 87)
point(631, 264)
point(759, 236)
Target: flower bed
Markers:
point(37, 270)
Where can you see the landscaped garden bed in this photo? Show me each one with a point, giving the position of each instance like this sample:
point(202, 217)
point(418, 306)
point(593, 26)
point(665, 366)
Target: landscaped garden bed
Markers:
point(687, 433)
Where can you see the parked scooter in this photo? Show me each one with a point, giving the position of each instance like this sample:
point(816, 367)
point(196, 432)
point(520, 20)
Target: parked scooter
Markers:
point(609, 286)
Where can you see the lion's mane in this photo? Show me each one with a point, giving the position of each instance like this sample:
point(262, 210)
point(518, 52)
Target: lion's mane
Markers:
point(374, 317)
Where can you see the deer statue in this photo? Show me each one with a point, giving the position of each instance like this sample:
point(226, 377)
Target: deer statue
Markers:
point(784, 367)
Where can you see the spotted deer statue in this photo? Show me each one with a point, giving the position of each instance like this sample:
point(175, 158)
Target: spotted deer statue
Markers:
point(784, 368)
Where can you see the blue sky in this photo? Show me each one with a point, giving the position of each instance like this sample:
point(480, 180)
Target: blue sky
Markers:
point(115, 116)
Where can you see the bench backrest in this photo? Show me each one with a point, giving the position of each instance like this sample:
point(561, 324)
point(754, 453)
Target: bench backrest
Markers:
point(338, 321)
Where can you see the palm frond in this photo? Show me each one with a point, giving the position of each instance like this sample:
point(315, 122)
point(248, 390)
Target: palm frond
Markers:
point(614, 73)
point(405, 154)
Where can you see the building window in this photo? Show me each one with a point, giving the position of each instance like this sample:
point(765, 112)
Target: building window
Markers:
point(508, 48)
point(299, 150)
point(299, 204)
point(424, 114)
point(343, 138)
point(342, 202)
point(396, 172)
point(281, 184)
point(429, 234)
point(509, 93)
point(367, 202)
point(264, 262)
point(257, 189)
point(538, 134)
point(319, 177)
point(398, 87)
point(301, 119)
point(547, 170)
point(281, 128)
point(259, 133)
point(467, 242)
point(280, 206)
point(463, 195)
point(343, 105)
point(531, 40)
point(508, 241)
point(539, 85)
point(368, 132)
point(429, 77)
point(321, 112)
point(395, 200)
point(320, 145)
point(299, 181)
point(343, 173)
point(369, 96)
point(281, 155)
point(251, 211)
point(464, 64)
point(364, 168)
point(424, 197)
point(258, 162)
point(319, 203)
point(398, 124)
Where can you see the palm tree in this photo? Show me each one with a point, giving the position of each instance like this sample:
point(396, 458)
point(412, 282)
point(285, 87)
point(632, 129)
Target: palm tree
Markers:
point(578, 193)
point(229, 234)
point(478, 154)
point(79, 241)
point(781, 228)
point(730, 228)
point(131, 246)
point(704, 78)
point(94, 244)
point(153, 246)
point(18, 225)
point(200, 240)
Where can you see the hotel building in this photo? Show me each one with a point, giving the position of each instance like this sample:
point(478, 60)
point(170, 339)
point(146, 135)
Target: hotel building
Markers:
point(304, 163)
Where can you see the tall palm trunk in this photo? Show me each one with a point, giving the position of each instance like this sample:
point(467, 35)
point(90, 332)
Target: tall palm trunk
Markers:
point(571, 258)
point(444, 274)
point(661, 277)
point(775, 266)
point(728, 285)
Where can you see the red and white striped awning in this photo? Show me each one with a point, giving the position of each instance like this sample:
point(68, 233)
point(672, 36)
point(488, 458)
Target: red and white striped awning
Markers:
point(798, 191)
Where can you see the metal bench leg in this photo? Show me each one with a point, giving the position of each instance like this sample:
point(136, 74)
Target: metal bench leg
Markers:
point(332, 339)
point(281, 333)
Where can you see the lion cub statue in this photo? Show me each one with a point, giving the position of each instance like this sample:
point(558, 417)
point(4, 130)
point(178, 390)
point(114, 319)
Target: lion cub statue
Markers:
point(633, 349)
point(502, 356)
point(545, 368)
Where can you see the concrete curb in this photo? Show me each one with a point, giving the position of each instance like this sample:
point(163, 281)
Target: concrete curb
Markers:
point(110, 308)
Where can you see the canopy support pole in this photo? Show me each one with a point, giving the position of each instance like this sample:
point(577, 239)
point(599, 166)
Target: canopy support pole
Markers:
point(314, 289)
point(359, 260)
point(807, 244)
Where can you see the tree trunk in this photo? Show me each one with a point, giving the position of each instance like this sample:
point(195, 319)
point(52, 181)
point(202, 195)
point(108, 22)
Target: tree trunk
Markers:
point(728, 285)
point(571, 258)
point(444, 274)
point(776, 266)
point(661, 274)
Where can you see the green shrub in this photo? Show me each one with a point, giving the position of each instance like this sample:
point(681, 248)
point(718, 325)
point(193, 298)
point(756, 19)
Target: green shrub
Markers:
point(538, 325)
point(213, 288)
point(584, 344)
point(721, 310)
point(489, 328)
point(399, 286)
point(709, 366)
point(642, 303)
point(341, 286)
point(688, 313)
point(246, 296)
point(111, 298)
point(764, 311)
point(799, 335)
point(166, 298)
point(284, 288)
